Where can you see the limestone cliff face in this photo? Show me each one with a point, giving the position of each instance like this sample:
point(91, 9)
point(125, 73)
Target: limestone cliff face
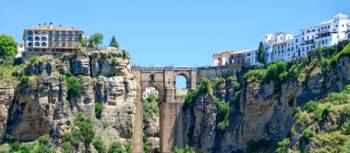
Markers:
point(6, 97)
point(201, 121)
point(260, 112)
point(42, 104)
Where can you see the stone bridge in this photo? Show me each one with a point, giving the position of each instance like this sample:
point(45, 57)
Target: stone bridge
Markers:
point(163, 79)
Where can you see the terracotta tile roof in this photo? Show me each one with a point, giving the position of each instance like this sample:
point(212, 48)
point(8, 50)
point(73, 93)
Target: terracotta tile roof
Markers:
point(52, 27)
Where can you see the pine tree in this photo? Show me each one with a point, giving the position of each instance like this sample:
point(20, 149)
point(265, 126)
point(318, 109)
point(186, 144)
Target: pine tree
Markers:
point(261, 55)
point(114, 42)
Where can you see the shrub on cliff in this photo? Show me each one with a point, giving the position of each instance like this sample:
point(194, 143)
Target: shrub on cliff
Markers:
point(18, 147)
point(186, 149)
point(282, 146)
point(223, 109)
point(85, 129)
point(99, 145)
point(98, 110)
point(74, 85)
point(205, 86)
point(307, 134)
point(275, 71)
point(311, 106)
point(119, 147)
point(191, 96)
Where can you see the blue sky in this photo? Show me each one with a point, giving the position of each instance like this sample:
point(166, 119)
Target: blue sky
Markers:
point(172, 32)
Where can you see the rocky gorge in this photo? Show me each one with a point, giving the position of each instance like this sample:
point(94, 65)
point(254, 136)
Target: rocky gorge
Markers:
point(255, 109)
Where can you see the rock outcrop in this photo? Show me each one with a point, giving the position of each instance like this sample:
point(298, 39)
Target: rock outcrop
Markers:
point(43, 103)
point(260, 113)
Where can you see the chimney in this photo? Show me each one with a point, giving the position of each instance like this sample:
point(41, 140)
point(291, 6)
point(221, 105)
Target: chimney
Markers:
point(50, 23)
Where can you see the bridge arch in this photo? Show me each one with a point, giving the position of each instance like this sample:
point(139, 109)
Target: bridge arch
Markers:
point(164, 81)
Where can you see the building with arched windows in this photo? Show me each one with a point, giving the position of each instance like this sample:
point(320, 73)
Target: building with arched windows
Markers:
point(49, 39)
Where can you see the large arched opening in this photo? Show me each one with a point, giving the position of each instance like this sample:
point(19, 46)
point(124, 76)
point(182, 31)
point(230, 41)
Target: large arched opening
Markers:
point(151, 119)
point(181, 87)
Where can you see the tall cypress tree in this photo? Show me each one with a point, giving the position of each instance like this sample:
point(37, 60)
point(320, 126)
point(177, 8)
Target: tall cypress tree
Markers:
point(261, 55)
point(114, 42)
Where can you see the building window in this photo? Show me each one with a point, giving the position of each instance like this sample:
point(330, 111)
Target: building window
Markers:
point(30, 38)
point(43, 44)
point(50, 33)
point(30, 33)
point(37, 44)
point(50, 44)
point(37, 38)
point(43, 38)
point(30, 44)
point(63, 44)
point(56, 39)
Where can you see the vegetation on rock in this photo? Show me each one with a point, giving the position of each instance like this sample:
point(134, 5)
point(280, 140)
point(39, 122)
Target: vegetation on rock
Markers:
point(98, 110)
point(150, 118)
point(119, 147)
point(74, 85)
point(186, 149)
point(223, 109)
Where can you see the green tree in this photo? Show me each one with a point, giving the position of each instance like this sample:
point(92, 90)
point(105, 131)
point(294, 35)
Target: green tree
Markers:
point(261, 55)
point(114, 42)
point(8, 48)
point(96, 39)
point(85, 129)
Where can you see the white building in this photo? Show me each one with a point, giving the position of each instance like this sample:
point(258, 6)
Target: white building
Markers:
point(148, 91)
point(282, 46)
point(278, 46)
point(20, 49)
point(236, 57)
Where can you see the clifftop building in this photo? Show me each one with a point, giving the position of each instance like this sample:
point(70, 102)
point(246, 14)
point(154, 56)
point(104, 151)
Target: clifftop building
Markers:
point(282, 46)
point(50, 39)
